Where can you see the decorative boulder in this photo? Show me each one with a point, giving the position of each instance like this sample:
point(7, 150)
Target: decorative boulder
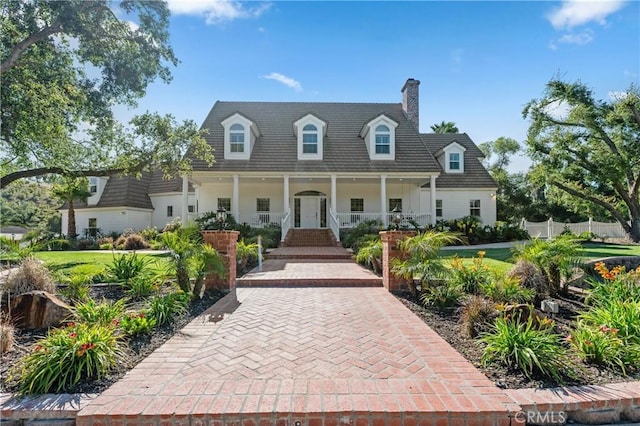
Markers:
point(39, 309)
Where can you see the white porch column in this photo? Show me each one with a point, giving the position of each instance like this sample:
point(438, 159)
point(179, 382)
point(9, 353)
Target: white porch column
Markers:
point(383, 199)
point(286, 194)
point(432, 187)
point(185, 200)
point(334, 197)
point(235, 201)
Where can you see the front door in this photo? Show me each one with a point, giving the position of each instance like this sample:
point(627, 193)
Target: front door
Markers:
point(309, 212)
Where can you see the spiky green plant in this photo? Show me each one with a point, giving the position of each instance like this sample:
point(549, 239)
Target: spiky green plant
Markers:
point(370, 253)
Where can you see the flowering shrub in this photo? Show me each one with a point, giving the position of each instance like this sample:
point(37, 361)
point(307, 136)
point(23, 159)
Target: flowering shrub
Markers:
point(471, 277)
point(106, 313)
point(608, 333)
point(135, 323)
point(68, 355)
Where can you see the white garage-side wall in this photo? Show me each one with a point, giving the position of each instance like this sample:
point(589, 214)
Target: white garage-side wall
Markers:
point(456, 203)
point(109, 219)
point(161, 203)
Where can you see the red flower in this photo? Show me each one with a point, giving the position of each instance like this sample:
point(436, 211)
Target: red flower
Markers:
point(71, 324)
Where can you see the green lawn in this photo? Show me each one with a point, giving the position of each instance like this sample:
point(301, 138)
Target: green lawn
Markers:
point(87, 262)
point(501, 261)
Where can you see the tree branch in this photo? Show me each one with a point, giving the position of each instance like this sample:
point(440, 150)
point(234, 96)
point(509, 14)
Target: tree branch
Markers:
point(595, 200)
point(19, 48)
point(11, 177)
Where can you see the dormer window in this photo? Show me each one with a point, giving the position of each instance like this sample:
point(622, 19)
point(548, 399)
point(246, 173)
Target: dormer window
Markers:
point(310, 132)
point(309, 139)
point(236, 138)
point(451, 158)
point(383, 140)
point(379, 135)
point(240, 135)
point(454, 161)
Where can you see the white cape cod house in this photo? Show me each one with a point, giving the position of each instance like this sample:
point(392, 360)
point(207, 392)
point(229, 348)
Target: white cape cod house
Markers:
point(309, 165)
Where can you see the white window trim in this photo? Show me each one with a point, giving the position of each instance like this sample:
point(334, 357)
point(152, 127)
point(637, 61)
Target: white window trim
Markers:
point(250, 134)
point(322, 128)
point(453, 148)
point(369, 135)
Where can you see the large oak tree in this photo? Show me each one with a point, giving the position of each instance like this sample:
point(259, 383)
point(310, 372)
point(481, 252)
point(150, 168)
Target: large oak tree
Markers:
point(64, 66)
point(591, 150)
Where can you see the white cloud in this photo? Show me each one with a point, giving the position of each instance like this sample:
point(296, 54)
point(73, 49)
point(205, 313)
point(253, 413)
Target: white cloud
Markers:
point(584, 37)
point(287, 81)
point(217, 11)
point(629, 74)
point(574, 13)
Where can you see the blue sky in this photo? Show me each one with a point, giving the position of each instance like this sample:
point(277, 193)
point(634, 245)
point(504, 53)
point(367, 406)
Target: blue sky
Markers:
point(478, 62)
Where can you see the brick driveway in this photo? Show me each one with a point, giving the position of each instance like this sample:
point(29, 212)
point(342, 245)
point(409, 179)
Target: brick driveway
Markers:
point(308, 355)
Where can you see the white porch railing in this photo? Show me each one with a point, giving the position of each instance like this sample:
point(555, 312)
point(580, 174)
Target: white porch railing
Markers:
point(285, 225)
point(550, 229)
point(349, 220)
point(334, 224)
point(260, 219)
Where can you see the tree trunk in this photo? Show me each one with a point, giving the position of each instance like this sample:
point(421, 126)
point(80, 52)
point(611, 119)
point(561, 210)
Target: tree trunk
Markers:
point(634, 233)
point(71, 226)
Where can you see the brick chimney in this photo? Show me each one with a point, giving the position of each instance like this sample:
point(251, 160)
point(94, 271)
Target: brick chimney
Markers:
point(410, 103)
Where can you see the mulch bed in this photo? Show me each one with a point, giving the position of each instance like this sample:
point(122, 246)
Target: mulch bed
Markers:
point(139, 347)
point(448, 325)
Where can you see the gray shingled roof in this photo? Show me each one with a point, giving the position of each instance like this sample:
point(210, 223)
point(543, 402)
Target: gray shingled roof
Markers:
point(123, 191)
point(475, 174)
point(159, 184)
point(344, 150)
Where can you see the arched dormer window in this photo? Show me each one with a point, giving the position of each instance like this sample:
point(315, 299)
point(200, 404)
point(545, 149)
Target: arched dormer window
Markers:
point(309, 139)
point(240, 136)
point(383, 139)
point(379, 136)
point(310, 132)
point(236, 138)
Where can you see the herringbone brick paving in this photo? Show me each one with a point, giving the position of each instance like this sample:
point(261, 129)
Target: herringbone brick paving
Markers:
point(313, 355)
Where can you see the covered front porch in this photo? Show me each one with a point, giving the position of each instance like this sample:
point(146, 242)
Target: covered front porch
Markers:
point(307, 201)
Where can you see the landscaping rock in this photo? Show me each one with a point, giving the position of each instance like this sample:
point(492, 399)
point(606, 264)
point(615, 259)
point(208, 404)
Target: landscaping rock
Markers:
point(39, 309)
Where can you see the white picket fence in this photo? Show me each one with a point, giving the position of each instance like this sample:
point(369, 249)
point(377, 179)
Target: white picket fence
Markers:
point(550, 229)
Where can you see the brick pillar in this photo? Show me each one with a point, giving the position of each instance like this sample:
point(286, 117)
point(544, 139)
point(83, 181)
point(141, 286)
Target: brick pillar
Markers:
point(390, 250)
point(225, 244)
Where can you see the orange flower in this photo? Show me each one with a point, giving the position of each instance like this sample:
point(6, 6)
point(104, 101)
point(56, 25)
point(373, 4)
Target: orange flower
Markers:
point(481, 254)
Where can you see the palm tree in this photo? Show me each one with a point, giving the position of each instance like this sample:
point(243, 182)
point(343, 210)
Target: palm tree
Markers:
point(370, 253)
point(70, 189)
point(555, 258)
point(423, 261)
point(445, 127)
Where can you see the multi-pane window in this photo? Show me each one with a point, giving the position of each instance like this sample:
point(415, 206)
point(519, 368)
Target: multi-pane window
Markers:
point(92, 229)
point(383, 139)
point(224, 203)
point(357, 204)
point(93, 185)
point(169, 211)
point(395, 202)
point(263, 204)
point(310, 139)
point(236, 138)
point(191, 208)
point(474, 207)
point(438, 208)
point(454, 161)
